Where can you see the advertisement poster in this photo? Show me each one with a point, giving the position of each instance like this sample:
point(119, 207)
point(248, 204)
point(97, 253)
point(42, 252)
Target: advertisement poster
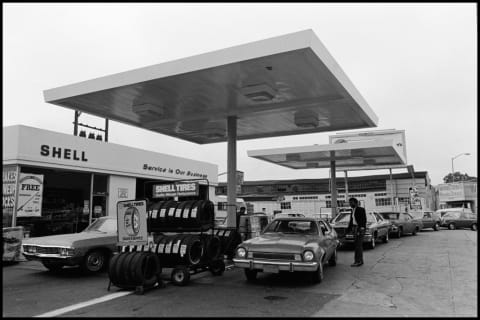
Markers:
point(175, 189)
point(30, 193)
point(132, 222)
point(8, 194)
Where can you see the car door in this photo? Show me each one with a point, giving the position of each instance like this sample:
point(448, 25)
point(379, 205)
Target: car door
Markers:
point(464, 221)
point(382, 225)
point(427, 220)
point(329, 241)
point(409, 224)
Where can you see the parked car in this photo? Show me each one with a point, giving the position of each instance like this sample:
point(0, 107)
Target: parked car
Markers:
point(459, 219)
point(289, 244)
point(403, 223)
point(431, 220)
point(442, 212)
point(91, 248)
point(285, 215)
point(377, 228)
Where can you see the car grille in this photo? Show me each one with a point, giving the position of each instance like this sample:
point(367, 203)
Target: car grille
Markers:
point(43, 250)
point(274, 256)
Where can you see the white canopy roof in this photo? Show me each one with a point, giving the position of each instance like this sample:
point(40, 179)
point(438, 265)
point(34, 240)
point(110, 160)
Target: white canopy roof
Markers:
point(284, 85)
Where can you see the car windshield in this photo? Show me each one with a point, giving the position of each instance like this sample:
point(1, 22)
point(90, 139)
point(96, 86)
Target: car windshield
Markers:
point(342, 217)
point(103, 225)
point(390, 215)
point(292, 227)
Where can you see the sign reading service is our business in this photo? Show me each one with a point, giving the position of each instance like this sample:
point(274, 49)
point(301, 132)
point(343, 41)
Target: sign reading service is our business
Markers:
point(132, 222)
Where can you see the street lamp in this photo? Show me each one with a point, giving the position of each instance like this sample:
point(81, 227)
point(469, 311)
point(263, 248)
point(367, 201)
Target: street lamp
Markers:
point(458, 155)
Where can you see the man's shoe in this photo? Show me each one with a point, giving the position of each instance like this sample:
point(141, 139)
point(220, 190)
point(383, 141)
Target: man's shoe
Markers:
point(356, 264)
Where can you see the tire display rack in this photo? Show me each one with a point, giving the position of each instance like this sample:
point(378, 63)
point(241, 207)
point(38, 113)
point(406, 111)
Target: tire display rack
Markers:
point(186, 245)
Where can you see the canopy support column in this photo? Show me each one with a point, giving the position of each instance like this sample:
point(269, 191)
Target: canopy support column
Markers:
point(333, 183)
point(391, 189)
point(232, 172)
point(346, 187)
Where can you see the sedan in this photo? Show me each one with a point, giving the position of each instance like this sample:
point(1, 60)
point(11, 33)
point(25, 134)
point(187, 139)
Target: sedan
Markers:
point(403, 223)
point(378, 228)
point(91, 248)
point(289, 244)
point(459, 219)
point(431, 220)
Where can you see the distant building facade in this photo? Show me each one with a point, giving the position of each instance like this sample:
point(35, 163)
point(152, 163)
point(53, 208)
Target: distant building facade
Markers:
point(458, 194)
point(313, 196)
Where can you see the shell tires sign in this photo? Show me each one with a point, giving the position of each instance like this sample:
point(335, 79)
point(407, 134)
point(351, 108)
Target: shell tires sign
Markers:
point(132, 222)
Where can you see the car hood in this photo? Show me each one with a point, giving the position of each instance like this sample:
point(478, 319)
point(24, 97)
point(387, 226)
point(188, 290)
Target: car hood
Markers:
point(279, 242)
point(65, 239)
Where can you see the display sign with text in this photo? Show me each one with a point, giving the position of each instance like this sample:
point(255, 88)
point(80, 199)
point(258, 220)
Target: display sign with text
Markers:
point(30, 193)
point(132, 222)
point(175, 189)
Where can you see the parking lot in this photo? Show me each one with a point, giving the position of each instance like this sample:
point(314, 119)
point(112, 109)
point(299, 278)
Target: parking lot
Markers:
point(430, 274)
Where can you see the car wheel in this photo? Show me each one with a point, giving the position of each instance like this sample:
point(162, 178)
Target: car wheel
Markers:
point(94, 261)
point(317, 276)
point(385, 239)
point(451, 226)
point(414, 232)
point(52, 266)
point(251, 275)
point(333, 259)
point(180, 276)
point(371, 244)
point(400, 232)
point(474, 227)
point(436, 227)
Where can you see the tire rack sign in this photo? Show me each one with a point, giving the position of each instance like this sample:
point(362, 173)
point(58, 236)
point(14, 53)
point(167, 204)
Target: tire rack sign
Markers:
point(175, 189)
point(132, 222)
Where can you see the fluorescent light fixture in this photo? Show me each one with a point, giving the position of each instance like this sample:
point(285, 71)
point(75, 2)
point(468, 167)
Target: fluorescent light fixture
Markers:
point(259, 92)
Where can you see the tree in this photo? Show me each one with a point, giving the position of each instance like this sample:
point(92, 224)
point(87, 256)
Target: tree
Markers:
point(457, 177)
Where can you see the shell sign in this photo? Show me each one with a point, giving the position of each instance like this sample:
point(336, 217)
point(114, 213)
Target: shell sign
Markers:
point(132, 222)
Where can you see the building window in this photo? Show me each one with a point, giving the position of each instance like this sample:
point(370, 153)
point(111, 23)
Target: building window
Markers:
point(340, 203)
point(381, 202)
point(285, 205)
point(383, 194)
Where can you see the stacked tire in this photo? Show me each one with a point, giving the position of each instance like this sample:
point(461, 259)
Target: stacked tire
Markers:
point(230, 238)
point(134, 268)
point(168, 215)
point(180, 249)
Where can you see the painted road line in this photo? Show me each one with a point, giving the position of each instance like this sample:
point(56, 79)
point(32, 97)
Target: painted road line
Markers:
point(58, 312)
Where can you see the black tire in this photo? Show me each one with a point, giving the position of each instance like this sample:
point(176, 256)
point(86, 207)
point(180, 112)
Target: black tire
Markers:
point(333, 259)
point(111, 268)
point(146, 269)
point(251, 275)
point(414, 232)
point(94, 261)
point(217, 267)
point(126, 271)
point(474, 227)
point(118, 269)
point(52, 266)
point(213, 247)
point(180, 275)
point(436, 226)
point(317, 276)
point(386, 237)
point(400, 232)
point(451, 226)
point(195, 249)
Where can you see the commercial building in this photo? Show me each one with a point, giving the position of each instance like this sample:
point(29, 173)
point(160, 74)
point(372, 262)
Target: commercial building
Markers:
point(313, 196)
point(458, 194)
point(57, 183)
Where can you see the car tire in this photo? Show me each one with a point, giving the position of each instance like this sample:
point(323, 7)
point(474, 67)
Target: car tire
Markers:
point(317, 276)
point(474, 227)
point(333, 259)
point(146, 270)
point(436, 227)
point(385, 239)
point(414, 232)
point(451, 226)
point(94, 261)
point(112, 268)
point(251, 275)
point(180, 275)
point(371, 244)
point(127, 265)
point(217, 267)
point(52, 266)
point(400, 232)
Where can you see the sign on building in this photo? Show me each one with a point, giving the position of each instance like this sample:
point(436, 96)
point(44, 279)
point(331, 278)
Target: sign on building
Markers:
point(451, 192)
point(175, 189)
point(132, 223)
point(30, 194)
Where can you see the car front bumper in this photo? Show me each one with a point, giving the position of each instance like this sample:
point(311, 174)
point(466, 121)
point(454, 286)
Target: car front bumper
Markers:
point(66, 260)
point(291, 266)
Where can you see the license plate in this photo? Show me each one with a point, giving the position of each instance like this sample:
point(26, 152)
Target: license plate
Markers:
point(271, 269)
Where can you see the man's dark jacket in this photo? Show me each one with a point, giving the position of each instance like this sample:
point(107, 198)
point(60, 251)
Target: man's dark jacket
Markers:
point(360, 217)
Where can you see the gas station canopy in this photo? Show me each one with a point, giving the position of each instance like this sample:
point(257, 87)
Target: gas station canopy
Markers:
point(361, 155)
point(284, 85)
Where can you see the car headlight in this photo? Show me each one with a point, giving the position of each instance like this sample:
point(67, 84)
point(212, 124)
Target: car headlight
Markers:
point(308, 255)
point(241, 252)
point(67, 251)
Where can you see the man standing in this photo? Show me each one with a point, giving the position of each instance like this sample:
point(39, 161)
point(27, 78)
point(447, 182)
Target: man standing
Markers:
point(357, 225)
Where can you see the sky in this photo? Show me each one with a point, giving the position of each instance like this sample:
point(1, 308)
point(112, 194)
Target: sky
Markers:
point(414, 64)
